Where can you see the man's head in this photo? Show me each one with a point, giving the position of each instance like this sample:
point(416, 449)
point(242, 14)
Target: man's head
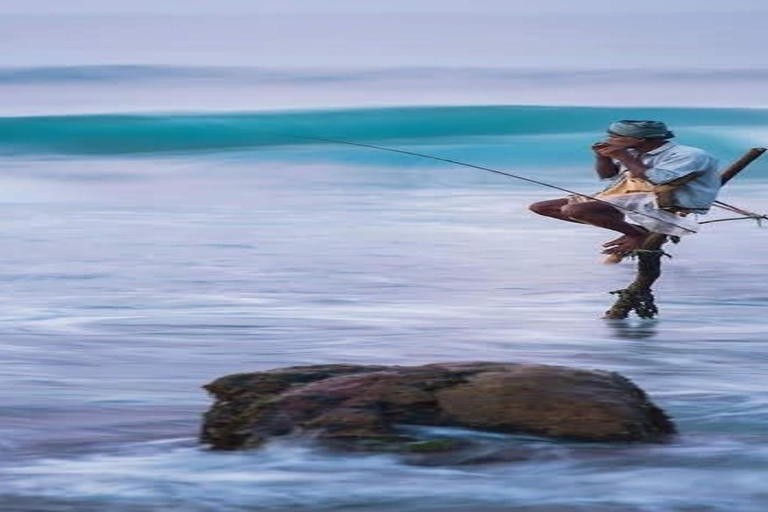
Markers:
point(629, 133)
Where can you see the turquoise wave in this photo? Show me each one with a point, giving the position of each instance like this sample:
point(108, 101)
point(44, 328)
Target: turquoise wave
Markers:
point(126, 135)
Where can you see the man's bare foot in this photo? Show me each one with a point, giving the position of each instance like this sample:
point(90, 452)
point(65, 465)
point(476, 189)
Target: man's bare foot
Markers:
point(613, 259)
point(617, 244)
point(615, 241)
point(626, 245)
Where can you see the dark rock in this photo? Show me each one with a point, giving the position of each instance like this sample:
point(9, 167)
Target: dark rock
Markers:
point(361, 407)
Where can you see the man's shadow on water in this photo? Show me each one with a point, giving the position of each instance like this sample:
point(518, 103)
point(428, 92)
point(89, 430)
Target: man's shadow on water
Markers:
point(635, 329)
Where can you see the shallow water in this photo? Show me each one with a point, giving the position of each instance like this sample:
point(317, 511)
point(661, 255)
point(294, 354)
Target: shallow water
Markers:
point(125, 295)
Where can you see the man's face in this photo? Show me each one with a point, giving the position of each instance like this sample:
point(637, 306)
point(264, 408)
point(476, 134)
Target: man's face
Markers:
point(621, 141)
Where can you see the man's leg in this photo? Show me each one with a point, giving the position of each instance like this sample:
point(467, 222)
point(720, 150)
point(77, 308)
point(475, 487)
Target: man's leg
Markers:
point(605, 216)
point(552, 208)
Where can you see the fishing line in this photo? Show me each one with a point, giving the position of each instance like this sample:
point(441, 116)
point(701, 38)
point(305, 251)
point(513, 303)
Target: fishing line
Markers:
point(488, 169)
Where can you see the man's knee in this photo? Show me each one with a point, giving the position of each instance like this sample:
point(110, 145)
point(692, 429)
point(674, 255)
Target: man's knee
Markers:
point(539, 207)
point(551, 208)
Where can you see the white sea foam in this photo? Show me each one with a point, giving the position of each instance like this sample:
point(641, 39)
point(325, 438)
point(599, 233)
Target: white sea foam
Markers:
point(292, 474)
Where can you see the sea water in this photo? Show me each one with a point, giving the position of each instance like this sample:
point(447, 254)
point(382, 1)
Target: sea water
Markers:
point(167, 219)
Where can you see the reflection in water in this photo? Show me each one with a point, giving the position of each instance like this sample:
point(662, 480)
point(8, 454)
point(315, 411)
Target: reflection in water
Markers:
point(633, 329)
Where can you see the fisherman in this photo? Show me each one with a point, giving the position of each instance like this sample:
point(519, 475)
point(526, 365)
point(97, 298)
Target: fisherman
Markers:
point(638, 157)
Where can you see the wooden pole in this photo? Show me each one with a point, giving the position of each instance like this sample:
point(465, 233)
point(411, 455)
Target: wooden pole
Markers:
point(638, 296)
point(736, 167)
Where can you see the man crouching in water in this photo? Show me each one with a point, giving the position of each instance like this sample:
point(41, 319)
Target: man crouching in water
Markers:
point(638, 156)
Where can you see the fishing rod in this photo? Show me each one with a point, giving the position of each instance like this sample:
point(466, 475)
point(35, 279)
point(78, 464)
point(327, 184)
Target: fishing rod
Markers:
point(488, 169)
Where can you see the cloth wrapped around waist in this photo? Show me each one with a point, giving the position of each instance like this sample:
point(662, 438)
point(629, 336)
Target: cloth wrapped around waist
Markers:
point(636, 199)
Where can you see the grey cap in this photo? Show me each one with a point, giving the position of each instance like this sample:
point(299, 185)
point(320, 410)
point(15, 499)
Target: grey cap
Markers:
point(640, 129)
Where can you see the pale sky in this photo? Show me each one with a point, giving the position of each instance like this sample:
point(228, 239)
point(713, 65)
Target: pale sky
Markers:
point(369, 6)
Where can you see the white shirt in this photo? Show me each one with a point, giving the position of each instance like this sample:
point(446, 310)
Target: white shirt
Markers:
point(672, 161)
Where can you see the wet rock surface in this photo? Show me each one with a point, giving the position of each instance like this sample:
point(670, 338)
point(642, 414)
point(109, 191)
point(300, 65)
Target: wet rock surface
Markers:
point(364, 407)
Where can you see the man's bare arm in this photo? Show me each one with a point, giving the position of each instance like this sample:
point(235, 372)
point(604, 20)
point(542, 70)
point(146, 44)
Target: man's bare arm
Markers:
point(604, 165)
point(634, 165)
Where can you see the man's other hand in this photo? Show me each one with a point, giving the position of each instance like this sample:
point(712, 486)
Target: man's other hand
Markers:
point(614, 152)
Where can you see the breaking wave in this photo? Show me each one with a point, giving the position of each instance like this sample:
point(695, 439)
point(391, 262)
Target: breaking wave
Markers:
point(135, 134)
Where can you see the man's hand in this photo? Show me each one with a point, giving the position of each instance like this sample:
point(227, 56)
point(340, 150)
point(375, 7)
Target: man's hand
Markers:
point(608, 151)
point(604, 165)
point(597, 146)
